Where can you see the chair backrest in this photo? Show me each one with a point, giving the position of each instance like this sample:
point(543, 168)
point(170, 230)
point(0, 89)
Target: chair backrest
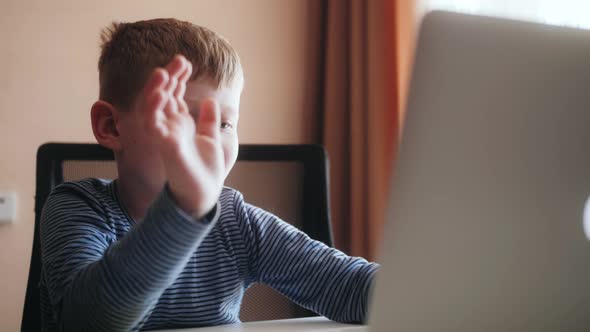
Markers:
point(290, 181)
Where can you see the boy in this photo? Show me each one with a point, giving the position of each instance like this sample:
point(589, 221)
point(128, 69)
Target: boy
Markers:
point(166, 245)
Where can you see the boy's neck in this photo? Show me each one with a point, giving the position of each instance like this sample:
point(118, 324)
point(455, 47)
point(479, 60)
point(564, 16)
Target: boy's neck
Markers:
point(136, 196)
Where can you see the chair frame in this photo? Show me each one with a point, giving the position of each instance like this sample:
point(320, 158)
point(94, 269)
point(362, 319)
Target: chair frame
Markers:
point(50, 158)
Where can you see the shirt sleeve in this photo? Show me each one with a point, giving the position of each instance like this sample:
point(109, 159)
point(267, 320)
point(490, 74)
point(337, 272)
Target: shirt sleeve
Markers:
point(308, 272)
point(96, 283)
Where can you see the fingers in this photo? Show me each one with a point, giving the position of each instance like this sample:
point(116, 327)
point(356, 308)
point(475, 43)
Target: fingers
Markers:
point(158, 79)
point(172, 78)
point(209, 119)
point(183, 79)
point(179, 70)
point(155, 100)
point(156, 120)
point(164, 93)
point(175, 68)
point(154, 89)
point(181, 87)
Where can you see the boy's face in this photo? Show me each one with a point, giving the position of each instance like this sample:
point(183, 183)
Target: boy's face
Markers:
point(139, 151)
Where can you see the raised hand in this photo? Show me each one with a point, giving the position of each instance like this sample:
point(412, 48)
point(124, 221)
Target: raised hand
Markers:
point(192, 155)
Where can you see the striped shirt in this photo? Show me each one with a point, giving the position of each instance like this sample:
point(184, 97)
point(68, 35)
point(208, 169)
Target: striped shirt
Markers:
point(103, 272)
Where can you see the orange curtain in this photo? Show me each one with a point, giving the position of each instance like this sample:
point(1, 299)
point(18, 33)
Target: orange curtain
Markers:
point(365, 59)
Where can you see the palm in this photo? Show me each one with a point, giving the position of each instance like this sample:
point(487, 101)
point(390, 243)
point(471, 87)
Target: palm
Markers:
point(192, 155)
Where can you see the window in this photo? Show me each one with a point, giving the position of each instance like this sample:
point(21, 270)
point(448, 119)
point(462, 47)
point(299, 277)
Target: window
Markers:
point(573, 13)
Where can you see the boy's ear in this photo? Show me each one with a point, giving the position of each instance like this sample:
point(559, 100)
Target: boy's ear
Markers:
point(104, 118)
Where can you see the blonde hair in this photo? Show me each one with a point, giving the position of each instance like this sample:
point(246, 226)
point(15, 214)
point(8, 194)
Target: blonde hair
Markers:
point(131, 51)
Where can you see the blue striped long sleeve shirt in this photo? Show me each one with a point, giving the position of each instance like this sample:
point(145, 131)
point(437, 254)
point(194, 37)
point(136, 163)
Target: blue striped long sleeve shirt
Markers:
point(103, 272)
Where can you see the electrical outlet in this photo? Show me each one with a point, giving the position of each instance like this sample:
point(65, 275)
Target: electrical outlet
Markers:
point(7, 207)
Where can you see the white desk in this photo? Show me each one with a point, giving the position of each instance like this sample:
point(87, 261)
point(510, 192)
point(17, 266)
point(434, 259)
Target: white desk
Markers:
point(315, 324)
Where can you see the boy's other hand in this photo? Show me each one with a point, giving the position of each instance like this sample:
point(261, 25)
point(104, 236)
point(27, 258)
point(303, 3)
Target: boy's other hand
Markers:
point(192, 155)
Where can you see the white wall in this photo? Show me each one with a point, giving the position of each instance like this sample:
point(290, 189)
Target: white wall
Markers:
point(49, 81)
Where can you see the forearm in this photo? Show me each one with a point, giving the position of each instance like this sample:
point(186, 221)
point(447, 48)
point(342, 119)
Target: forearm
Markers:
point(327, 282)
point(310, 273)
point(117, 291)
point(345, 297)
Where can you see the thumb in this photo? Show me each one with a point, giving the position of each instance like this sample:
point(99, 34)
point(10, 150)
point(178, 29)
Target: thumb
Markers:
point(209, 119)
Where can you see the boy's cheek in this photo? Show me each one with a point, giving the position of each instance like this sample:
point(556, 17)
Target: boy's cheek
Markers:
point(230, 155)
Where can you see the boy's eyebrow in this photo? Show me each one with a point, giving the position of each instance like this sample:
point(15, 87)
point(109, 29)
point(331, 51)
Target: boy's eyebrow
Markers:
point(194, 105)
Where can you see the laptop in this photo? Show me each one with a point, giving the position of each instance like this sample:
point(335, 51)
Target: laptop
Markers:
point(485, 228)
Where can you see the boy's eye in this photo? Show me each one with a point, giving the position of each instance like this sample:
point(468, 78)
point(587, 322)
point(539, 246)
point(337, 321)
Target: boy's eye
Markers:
point(226, 125)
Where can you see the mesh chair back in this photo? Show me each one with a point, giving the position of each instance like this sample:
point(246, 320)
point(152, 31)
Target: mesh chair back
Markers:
point(288, 180)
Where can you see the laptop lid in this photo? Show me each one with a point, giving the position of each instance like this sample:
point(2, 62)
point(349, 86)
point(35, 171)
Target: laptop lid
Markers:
point(485, 228)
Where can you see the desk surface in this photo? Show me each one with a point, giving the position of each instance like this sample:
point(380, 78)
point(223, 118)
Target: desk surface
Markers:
point(316, 324)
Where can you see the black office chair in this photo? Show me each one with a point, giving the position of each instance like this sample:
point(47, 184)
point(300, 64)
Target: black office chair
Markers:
point(288, 180)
